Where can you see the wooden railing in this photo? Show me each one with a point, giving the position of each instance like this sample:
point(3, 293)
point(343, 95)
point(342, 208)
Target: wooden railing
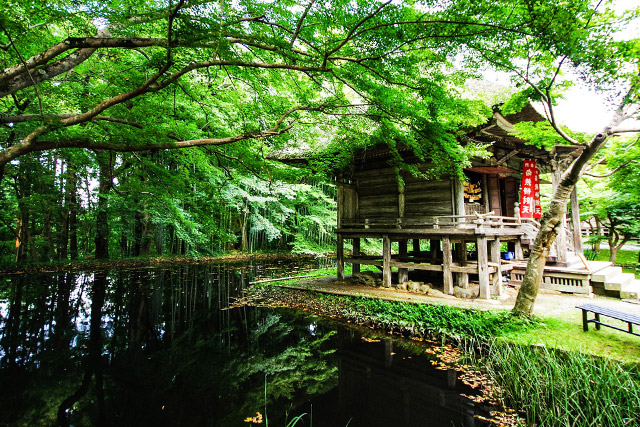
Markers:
point(529, 226)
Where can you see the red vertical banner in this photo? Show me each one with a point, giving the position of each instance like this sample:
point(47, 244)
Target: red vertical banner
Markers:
point(537, 207)
point(530, 191)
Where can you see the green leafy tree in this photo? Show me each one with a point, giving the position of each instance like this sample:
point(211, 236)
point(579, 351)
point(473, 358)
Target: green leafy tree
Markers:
point(136, 76)
point(623, 216)
point(616, 206)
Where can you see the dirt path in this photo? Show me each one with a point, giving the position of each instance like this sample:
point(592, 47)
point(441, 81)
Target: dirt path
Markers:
point(548, 303)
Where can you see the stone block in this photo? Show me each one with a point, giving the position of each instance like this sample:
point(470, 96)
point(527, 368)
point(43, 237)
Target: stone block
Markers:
point(473, 291)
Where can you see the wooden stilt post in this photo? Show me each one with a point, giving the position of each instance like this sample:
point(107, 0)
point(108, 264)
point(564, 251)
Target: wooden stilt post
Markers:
point(386, 261)
point(416, 245)
point(355, 266)
point(340, 256)
point(575, 219)
point(483, 267)
point(561, 239)
point(519, 254)
point(495, 257)
point(434, 247)
point(462, 279)
point(403, 273)
point(446, 266)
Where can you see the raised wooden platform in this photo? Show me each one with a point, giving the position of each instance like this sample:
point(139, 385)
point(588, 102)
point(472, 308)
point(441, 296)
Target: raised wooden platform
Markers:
point(448, 236)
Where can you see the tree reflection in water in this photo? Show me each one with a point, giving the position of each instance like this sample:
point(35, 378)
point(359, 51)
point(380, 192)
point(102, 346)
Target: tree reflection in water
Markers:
point(162, 346)
point(152, 346)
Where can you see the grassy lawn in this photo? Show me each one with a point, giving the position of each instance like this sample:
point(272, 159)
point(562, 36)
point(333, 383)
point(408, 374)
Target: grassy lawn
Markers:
point(566, 334)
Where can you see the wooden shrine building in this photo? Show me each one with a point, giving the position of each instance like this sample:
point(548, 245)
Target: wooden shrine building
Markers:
point(448, 213)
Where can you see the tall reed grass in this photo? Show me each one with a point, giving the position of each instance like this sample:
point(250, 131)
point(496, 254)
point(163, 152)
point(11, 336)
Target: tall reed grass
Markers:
point(554, 388)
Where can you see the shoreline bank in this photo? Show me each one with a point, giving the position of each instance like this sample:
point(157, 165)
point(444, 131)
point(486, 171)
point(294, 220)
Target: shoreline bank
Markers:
point(94, 264)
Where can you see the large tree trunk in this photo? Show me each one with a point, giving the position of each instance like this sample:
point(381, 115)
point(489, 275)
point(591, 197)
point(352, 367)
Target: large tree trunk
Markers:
point(243, 220)
point(73, 216)
point(158, 237)
point(137, 232)
point(550, 226)
point(48, 237)
point(124, 239)
point(63, 236)
point(147, 237)
point(23, 191)
point(105, 163)
point(142, 231)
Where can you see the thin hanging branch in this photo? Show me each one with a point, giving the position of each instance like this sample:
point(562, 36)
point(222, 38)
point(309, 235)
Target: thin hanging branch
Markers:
point(608, 174)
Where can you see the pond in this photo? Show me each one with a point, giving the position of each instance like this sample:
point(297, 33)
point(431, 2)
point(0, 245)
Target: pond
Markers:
point(166, 346)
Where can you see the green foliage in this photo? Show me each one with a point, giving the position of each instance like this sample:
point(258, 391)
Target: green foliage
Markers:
point(540, 134)
point(250, 80)
point(438, 319)
point(302, 366)
point(624, 215)
point(193, 202)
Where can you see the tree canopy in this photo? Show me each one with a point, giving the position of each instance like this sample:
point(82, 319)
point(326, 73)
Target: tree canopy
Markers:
point(234, 81)
point(131, 76)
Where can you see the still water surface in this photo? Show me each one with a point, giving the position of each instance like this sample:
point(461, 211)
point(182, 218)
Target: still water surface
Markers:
point(160, 346)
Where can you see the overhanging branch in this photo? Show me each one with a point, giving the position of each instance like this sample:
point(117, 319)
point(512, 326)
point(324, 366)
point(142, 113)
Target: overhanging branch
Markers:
point(53, 118)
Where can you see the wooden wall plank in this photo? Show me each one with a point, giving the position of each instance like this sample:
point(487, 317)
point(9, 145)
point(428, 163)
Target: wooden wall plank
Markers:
point(494, 195)
point(511, 190)
point(348, 197)
point(379, 196)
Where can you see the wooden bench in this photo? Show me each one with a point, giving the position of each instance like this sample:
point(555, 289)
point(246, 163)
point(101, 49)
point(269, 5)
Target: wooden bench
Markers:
point(614, 314)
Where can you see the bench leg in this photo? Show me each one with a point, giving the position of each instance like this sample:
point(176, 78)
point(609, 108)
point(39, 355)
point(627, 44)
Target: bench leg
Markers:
point(630, 328)
point(597, 321)
point(585, 324)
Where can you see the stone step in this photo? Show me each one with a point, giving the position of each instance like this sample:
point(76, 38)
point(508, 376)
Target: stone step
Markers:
point(631, 290)
point(606, 273)
point(616, 283)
